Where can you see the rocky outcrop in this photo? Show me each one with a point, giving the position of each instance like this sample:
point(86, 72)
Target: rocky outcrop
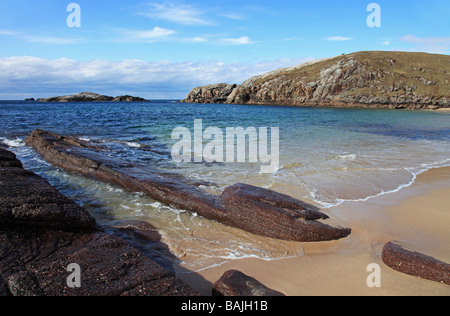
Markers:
point(236, 283)
point(91, 97)
point(42, 232)
point(413, 263)
point(217, 93)
point(128, 98)
point(249, 208)
point(394, 80)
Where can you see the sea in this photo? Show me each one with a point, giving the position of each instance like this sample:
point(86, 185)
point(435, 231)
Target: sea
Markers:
point(326, 156)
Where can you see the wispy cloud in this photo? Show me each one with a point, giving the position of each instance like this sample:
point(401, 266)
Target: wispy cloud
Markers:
point(51, 40)
point(8, 32)
point(41, 39)
point(439, 45)
point(175, 12)
point(244, 40)
point(157, 33)
point(339, 38)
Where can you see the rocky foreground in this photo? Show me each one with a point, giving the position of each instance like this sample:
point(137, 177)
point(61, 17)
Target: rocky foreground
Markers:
point(91, 97)
point(256, 210)
point(42, 232)
point(393, 80)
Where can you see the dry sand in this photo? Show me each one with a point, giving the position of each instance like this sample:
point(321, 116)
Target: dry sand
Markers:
point(418, 215)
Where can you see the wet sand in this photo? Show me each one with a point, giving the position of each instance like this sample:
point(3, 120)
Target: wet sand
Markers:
point(418, 215)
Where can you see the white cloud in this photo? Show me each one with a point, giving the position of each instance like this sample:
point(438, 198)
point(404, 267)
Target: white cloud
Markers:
point(41, 77)
point(178, 13)
point(429, 44)
point(244, 40)
point(51, 40)
point(155, 33)
point(339, 38)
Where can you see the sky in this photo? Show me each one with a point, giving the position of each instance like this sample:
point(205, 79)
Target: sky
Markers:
point(163, 49)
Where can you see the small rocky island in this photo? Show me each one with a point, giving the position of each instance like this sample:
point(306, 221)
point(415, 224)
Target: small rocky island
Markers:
point(92, 97)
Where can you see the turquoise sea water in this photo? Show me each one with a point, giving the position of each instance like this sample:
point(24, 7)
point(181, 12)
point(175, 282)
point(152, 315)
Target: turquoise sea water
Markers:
point(327, 156)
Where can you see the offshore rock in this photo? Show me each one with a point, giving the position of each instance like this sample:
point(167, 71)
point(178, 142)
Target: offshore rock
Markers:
point(259, 211)
point(236, 283)
point(91, 97)
point(42, 232)
point(413, 263)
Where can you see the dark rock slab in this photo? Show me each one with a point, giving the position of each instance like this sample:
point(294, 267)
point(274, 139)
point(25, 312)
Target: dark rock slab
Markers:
point(397, 257)
point(28, 200)
point(24, 283)
point(252, 209)
point(8, 159)
point(236, 283)
point(269, 212)
point(109, 266)
point(42, 232)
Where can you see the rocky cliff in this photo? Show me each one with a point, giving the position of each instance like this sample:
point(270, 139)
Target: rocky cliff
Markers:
point(363, 79)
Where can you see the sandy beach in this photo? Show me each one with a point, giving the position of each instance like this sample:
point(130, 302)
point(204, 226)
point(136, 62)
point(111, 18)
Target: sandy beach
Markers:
point(418, 215)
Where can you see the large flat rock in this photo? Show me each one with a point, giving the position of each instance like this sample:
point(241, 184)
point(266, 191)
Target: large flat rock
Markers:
point(256, 210)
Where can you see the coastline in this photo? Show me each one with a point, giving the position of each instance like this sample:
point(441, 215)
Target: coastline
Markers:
point(417, 215)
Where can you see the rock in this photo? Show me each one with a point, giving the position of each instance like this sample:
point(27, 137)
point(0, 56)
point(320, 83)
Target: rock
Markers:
point(217, 93)
point(276, 215)
point(28, 200)
point(30, 99)
point(42, 232)
point(91, 97)
point(8, 159)
point(235, 283)
point(128, 98)
point(4, 290)
point(363, 79)
point(252, 209)
point(413, 263)
point(24, 283)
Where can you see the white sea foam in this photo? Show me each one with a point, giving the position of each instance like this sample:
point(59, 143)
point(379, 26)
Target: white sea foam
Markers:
point(415, 172)
point(15, 143)
point(346, 156)
point(133, 144)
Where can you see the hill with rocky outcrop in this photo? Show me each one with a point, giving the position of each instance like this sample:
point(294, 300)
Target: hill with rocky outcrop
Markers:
point(394, 80)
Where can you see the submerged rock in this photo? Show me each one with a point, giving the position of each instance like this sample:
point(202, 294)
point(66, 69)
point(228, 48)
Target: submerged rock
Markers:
point(259, 211)
point(413, 263)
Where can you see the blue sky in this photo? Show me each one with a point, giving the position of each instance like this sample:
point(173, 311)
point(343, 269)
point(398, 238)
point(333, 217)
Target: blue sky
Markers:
point(162, 49)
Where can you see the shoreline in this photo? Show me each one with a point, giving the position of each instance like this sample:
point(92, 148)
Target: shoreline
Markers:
point(417, 215)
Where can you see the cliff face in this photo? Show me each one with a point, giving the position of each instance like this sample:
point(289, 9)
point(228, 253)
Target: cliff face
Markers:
point(364, 79)
point(217, 93)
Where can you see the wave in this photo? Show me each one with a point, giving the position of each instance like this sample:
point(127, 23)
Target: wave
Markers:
point(414, 174)
point(15, 143)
